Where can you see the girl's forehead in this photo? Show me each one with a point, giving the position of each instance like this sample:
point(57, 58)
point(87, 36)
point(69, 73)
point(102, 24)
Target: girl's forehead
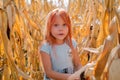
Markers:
point(58, 18)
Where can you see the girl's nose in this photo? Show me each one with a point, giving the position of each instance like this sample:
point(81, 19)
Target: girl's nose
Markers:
point(61, 28)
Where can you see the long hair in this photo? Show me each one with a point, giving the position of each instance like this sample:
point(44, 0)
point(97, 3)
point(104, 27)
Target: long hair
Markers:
point(50, 21)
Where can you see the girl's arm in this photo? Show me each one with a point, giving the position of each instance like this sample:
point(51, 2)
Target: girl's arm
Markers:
point(76, 59)
point(48, 68)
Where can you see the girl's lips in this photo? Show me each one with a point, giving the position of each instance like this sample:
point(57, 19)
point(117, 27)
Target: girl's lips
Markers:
point(61, 34)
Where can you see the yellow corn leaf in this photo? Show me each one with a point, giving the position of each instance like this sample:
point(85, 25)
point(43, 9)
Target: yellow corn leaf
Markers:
point(108, 45)
point(17, 25)
point(113, 30)
point(112, 57)
point(10, 13)
point(6, 73)
point(46, 6)
point(106, 3)
point(30, 21)
point(1, 18)
point(118, 17)
point(13, 66)
point(113, 73)
point(106, 24)
point(21, 73)
point(6, 43)
point(4, 28)
point(22, 3)
point(1, 3)
point(6, 3)
point(17, 3)
point(103, 29)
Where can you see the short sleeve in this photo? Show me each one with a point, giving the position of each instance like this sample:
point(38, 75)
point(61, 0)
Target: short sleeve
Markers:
point(74, 43)
point(45, 48)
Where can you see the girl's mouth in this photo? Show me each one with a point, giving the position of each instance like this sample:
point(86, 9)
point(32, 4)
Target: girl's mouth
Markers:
point(61, 34)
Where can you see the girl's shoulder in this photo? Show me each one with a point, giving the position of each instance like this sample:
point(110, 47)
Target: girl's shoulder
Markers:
point(45, 46)
point(44, 43)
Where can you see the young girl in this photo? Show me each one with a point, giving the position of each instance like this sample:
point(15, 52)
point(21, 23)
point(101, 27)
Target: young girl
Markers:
point(59, 51)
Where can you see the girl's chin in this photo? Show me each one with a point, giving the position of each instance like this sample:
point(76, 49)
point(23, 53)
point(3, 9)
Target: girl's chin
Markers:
point(60, 39)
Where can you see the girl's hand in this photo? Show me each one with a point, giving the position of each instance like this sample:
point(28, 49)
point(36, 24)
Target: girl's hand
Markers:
point(90, 65)
point(76, 75)
point(73, 77)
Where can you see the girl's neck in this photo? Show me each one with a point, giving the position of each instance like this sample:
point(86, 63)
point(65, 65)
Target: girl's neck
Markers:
point(59, 42)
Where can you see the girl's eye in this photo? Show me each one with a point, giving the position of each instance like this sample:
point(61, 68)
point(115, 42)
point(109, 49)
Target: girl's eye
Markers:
point(64, 25)
point(55, 25)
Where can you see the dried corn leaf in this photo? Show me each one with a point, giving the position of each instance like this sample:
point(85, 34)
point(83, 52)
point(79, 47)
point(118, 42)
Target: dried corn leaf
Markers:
point(25, 76)
point(113, 56)
point(1, 3)
point(1, 18)
point(30, 21)
point(6, 3)
point(10, 13)
point(114, 71)
point(103, 30)
point(6, 43)
point(110, 42)
point(6, 73)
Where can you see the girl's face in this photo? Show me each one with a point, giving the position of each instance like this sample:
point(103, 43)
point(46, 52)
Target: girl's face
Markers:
point(59, 29)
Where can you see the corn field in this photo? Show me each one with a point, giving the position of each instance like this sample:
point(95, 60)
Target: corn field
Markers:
point(95, 26)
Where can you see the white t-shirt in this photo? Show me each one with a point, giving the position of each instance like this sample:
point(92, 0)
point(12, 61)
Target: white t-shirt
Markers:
point(60, 56)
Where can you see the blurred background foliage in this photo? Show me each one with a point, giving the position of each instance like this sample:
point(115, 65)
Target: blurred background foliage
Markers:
point(22, 24)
